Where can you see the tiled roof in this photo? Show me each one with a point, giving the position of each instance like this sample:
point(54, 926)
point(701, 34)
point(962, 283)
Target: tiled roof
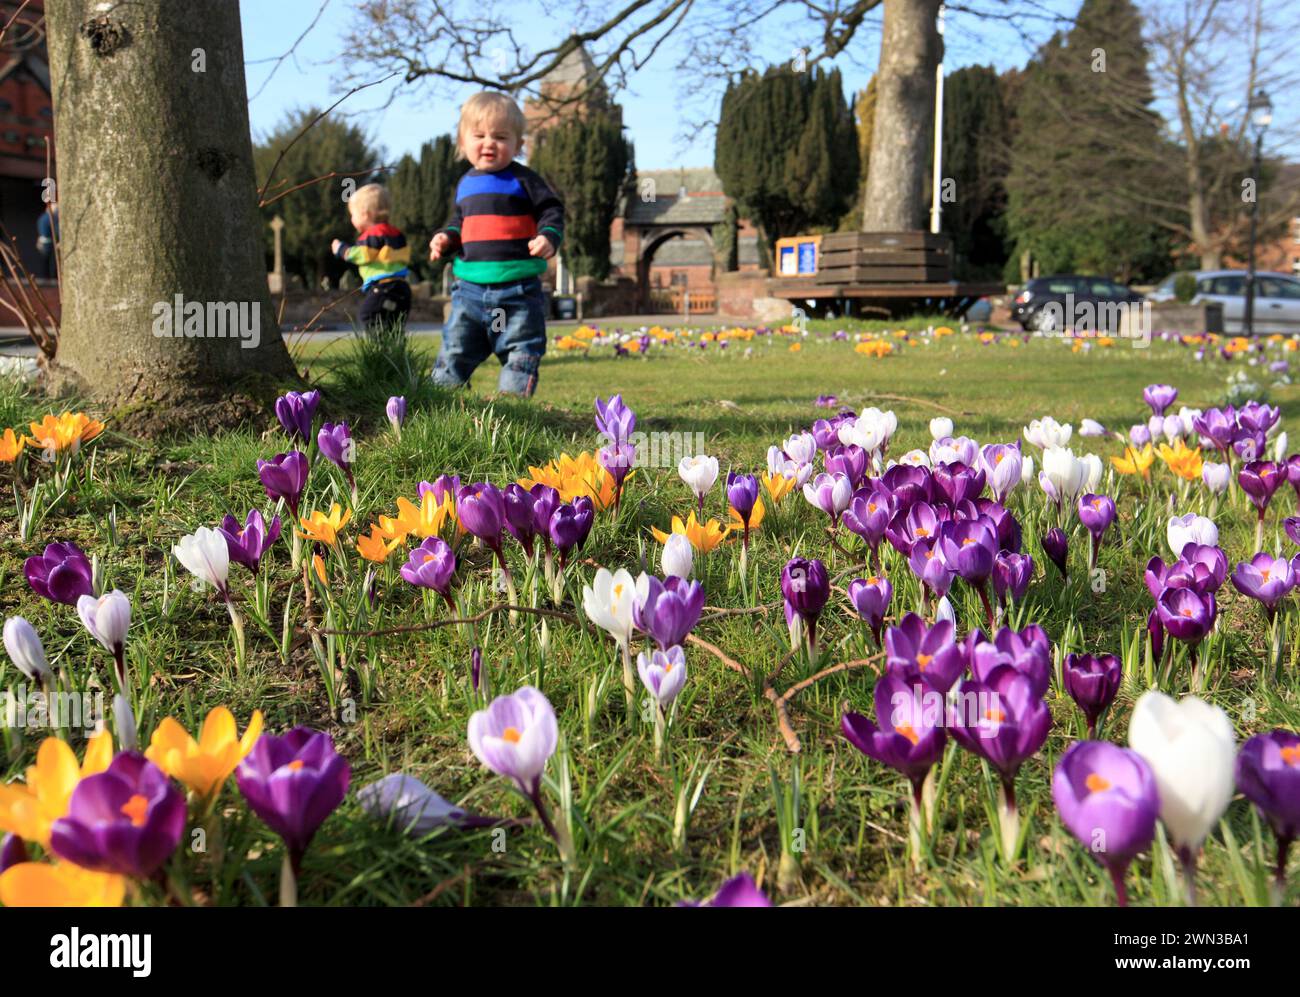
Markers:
point(668, 209)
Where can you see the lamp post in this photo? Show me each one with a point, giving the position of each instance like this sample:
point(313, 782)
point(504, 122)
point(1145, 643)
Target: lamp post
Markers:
point(1261, 116)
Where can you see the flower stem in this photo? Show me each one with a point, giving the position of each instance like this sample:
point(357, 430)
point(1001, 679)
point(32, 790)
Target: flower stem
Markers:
point(1009, 820)
point(1188, 859)
point(629, 680)
point(914, 823)
point(560, 833)
point(288, 882)
point(1117, 878)
point(237, 624)
point(1279, 875)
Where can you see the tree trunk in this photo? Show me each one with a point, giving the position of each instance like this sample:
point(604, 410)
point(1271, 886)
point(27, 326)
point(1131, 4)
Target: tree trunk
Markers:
point(158, 217)
point(903, 126)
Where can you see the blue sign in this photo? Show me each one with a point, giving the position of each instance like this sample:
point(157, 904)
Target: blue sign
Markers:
point(808, 257)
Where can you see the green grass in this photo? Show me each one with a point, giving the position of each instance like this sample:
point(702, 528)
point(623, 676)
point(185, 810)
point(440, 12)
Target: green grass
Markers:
point(404, 702)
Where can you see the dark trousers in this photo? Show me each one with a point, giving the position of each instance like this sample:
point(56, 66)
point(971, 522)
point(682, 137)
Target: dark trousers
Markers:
point(385, 303)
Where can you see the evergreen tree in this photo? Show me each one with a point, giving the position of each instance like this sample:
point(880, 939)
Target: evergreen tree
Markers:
point(586, 159)
point(787, 150)
point(1084, 131)
point(975, 122)
point(316, 214)
point(424, 193)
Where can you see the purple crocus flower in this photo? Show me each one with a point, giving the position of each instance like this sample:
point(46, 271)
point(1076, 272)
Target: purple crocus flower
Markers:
point(851, 461)
point(826, 433)
point(432, 566)
point(868, 515)
point(1005, 526)
point(1258, 418)
point(128, 819)
point(668, 610)
point(515, 736)
point(569, 526)
point(1107, 797)
point(969, 547)
point(830, 493)
point(742, 493)
point(1028, 651)
point(1002, 464)
point(908, 733)
point(441, 486)
point(1011, 576)
point(1057, 548)
point(913, 650)
point(284, 476)
point(1268, 774)
point(1218, 427)
point(1189, 616)
point(1002, 719)
point(1265, 578)
point(1260, 479)
point(249, 542)
point(61, 574)
point(738, 891)
point(617, 459)
point(293, 782)
point(806, 587)
point(396, 412)
point(296, 412)
point(918, 524)
point(927, 563)
point(520, 508)
point(1159, 397)
point(482, 512)
point(870, 597)
point(614, 420)
point(827, 401)
point(1092, 681)
point(475, 667)
point(1096, 512)
point(1292, 526)
point(1208, 564)
point(958, 482)
point(1139, 435)
point(907, 484)
point(335, 442)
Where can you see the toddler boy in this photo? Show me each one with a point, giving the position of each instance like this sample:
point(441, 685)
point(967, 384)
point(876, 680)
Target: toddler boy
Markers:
point(381, 254)
point(506, 224)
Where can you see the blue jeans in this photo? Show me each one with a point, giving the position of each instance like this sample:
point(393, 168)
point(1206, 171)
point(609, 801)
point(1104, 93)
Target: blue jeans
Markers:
point(506, 319)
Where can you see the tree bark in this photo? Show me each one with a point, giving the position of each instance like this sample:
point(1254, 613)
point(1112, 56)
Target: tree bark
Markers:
point(157, 198)
point(903, 126)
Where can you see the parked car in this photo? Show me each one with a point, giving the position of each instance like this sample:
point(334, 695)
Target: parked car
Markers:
point(1050, 304)
point(1277, 298)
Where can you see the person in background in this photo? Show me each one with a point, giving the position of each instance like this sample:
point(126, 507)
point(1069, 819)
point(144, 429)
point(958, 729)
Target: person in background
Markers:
point(381, 254)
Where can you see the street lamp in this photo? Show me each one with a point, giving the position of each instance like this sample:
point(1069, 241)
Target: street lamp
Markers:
point(1261, 116)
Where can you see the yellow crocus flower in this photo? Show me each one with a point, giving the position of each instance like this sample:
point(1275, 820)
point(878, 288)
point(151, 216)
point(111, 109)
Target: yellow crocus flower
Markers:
point(778, 486)
point(1135, 461)
point(325, 528)
point(426, 520)
point(376, 547)
point(703, 537)
point(203, 765)
point(35, 884)
point(1182, 461)
point(28, 809)
point(11, 446)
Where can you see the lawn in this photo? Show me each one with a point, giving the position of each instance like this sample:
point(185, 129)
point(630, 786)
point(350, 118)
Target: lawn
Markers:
point(728, 795)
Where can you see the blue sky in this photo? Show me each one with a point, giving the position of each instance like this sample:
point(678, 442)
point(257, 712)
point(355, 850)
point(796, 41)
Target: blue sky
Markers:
point(310, 77)
point(651, 107)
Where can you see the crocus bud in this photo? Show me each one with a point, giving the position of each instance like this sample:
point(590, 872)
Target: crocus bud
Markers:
point(1057, 548)
point(1216, 476)
point(678, 558)
point(943, 612)
point(25, 649)
point(396, 412)
point(124, 717)
point(940, 428)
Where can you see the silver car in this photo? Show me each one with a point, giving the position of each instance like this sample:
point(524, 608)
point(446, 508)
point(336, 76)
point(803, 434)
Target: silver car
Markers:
point(1277, 298)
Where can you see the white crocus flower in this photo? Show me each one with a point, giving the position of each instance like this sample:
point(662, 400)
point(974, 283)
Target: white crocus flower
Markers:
point(801, 448)
point(26, 650)
point(1191, 528)
point(205, 554)
point(1047, 432)
point(608, 603)
point(107, 618)
point(678, 557)
point(699, 473)
point(1192, 750)
point(1066, 473)
point(940, 428)
point(1092, 475)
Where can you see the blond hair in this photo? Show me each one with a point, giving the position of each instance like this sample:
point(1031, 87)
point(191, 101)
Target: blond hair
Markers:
point(489, 105)
point(372, 199)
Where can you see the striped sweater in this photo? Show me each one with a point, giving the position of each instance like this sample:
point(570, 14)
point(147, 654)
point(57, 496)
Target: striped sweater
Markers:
point(496, 216)
point(380, 253)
